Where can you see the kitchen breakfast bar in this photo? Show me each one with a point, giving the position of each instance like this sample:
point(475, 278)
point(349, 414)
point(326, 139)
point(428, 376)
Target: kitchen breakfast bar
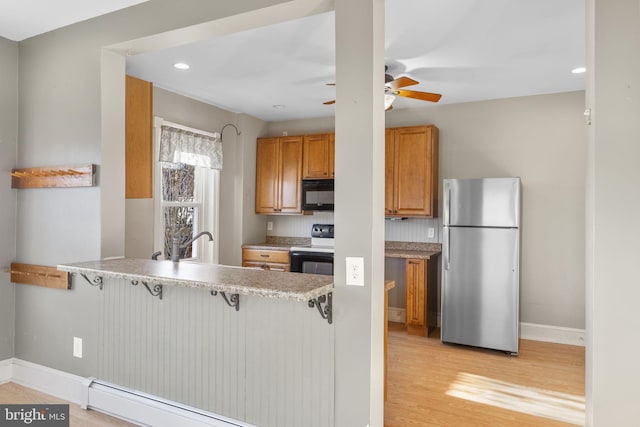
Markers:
point(248, 345)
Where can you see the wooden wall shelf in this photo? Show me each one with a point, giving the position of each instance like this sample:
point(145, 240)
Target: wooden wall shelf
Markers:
point(40, 275)
point(54, 177)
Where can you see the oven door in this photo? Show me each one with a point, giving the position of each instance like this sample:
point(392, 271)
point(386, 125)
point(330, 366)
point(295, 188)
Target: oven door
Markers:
point(312, 262)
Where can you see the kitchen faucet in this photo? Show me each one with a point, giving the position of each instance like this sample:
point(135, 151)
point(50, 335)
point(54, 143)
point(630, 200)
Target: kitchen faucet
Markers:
point(175, 255)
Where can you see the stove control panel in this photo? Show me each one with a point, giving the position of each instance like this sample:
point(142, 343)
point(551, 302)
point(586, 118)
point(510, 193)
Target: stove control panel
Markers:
point(322, 230)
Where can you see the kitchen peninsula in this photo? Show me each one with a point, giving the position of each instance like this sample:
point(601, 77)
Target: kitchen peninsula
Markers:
point(250, 345)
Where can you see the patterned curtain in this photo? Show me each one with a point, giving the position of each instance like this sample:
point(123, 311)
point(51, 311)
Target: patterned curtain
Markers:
point(180, 146)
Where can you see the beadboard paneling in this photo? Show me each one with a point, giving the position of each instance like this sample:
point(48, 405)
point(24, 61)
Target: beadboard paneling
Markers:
point(408, 230)
point(269, 364)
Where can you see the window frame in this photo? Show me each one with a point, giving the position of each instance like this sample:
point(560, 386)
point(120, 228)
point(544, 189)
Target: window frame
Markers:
point(207, 189)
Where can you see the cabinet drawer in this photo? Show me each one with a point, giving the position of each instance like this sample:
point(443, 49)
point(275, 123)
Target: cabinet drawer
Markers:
point(262, 255)
point(270, 266)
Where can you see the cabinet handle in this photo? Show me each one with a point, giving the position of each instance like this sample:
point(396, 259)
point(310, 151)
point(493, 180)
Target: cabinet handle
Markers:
point(265, 255)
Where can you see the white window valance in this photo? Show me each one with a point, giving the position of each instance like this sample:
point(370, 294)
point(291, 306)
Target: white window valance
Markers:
point(182, 146)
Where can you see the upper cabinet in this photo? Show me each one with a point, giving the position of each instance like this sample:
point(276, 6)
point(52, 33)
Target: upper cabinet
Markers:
point(139, 138)
point(317, 157)
point(411, 171)
point(278, 175)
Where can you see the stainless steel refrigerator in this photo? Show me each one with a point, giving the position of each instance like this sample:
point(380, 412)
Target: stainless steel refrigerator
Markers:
point(481, 258)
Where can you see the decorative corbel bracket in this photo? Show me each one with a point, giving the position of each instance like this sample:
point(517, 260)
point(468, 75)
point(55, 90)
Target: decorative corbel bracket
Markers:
point(327, 311)
point(233, 301)
point(155, 292)
point(97, 280)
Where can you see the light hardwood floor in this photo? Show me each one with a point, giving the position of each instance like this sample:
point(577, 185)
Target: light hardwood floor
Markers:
point(11, 393)
point(431, 384)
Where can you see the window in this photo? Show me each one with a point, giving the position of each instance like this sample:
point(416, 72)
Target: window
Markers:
point(186, 203)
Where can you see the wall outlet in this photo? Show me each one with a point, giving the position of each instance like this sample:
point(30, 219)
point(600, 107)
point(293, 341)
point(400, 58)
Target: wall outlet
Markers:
point(285, 133)
point(431, 232)
point(269, 225)
point(77, 347)
point(355, 271)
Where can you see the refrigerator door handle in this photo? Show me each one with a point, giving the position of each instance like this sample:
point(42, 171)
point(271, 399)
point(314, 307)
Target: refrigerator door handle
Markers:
point(447, 245)
point(447, 211)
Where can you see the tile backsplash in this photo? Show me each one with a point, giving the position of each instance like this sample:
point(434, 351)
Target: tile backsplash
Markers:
point(408, 230)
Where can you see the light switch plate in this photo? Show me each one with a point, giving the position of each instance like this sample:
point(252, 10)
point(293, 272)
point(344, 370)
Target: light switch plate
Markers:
point(431, 232)
point(355, 271)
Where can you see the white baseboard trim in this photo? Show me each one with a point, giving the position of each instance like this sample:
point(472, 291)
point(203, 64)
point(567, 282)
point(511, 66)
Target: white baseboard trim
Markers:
point(5, 370)
point(528, 331)
point(397, 314)
point(555, 334)
point(119, 402)
point(47, 380)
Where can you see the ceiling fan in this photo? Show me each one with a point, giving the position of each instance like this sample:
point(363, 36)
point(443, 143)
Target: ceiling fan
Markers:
point(392, 88)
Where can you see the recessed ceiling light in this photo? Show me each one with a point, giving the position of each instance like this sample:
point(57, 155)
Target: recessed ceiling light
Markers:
point(579, 70)
point(181, 66)
point(279, 106)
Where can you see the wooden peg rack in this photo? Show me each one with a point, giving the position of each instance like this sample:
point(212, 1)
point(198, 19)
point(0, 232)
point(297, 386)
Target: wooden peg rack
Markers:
point(40, 275)
point(54, 177)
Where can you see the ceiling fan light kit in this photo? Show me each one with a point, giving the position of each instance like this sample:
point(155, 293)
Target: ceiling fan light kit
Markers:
point(392, 88)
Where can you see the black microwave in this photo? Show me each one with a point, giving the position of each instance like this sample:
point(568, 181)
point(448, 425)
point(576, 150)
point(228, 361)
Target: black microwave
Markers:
point(317, 194)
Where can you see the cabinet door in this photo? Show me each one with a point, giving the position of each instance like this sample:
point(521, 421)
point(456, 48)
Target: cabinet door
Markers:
point(332, 155)
point(316, 157)
point(267, 175)
point(388, 171)
point(413, 174)
point(415, 270)
point(290, 200)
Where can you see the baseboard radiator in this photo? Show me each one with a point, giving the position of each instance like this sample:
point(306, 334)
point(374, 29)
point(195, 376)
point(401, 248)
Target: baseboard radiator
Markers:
point(144, 409)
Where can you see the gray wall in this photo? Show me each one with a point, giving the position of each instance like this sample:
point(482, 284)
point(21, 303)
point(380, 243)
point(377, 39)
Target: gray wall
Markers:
point(60, 108)
point(8, 141)
point(613, 61)
point(234, 176)
point(539, 138)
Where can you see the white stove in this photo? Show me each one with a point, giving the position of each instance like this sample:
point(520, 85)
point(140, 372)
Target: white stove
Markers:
point(318, 244)
point(318, 256)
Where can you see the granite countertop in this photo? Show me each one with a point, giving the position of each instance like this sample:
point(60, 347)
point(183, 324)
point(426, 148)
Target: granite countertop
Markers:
point(214, 277)
point(268, 246)
point(415, 250)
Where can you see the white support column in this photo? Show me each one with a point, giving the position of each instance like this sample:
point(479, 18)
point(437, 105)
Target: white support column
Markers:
point(613, 201)
point(359, 215)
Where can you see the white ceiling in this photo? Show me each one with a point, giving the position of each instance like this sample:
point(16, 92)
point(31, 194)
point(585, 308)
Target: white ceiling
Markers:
point(467, 50)
point(21, 19)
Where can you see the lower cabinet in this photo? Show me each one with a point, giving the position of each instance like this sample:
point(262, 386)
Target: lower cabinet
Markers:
point(420, 281)
point(263, 259)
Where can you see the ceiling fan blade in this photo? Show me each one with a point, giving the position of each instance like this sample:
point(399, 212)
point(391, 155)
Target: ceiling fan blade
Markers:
point(329, 102)
point(401, 82)
point(424, 96)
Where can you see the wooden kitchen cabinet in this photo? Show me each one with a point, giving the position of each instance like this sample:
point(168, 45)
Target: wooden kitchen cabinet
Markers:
point(274, 260)
point(318, 156)
point(416, 294)
point(411, 171)
point(138, 138)
point(278, 175)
